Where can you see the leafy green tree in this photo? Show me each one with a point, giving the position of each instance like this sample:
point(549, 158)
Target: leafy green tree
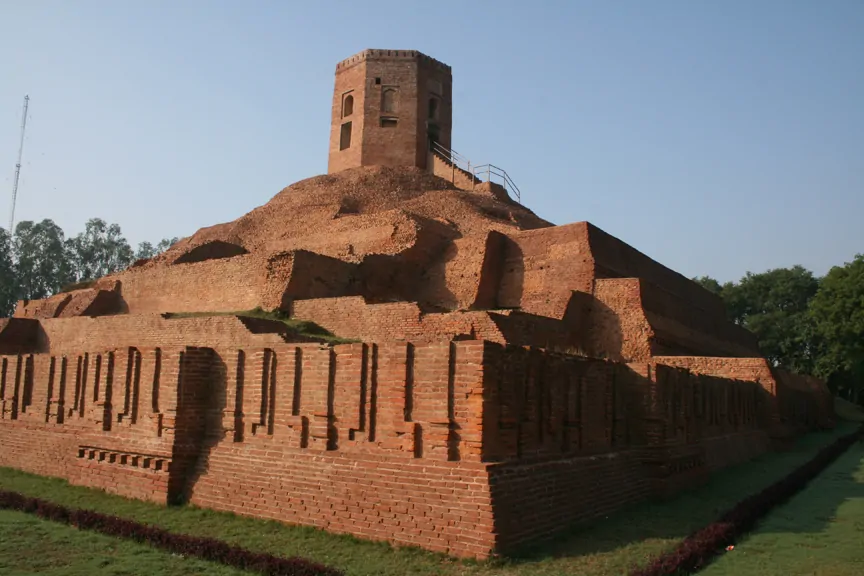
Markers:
point(774, 306)
point(710, 284)
point(837, 315)
point(100, 250)
point(8, 279)
point(38, 260)
point(41, 262)
point(147, 250)
point(165, 244)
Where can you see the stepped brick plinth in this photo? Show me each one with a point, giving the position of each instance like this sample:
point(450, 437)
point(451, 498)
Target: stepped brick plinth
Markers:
point(508, 377)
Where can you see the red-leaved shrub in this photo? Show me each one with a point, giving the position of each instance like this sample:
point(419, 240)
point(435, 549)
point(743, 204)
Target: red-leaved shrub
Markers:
point(697, 550)
point(203, 548)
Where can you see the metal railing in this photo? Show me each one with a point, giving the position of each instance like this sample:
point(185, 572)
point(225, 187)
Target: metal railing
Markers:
point(456, 160)
point(491, 170)
point(477, 173)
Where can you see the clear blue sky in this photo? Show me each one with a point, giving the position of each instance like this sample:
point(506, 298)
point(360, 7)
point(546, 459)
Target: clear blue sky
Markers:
point(717, 137)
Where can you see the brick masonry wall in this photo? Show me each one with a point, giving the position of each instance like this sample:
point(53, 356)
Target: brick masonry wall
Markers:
point(308, 275)
point(227, 284)
point(534, 501)
point(466, 275)
point(210, 250)
point(352, 317)
point(577, 438)
point(804, 402)
point(351, 236)
point(616, 259)
point(367, 422)
point(70, 335)
point(795, 403)
point(91, 302)
point(220, 285)
point(651, 309)
point(412, 79)
point(378, 441)
point(684, 326)
point(754, 369)
point(351, 81)
point(105, 420)
point(698, 405)
point(45, 308)
point(18, 335)
point(633, 320)
point(464, 447)
point(700, 423)
point(540, 404)
point(542, 267)
point(617, 326)
point(524, 329)
point(411, 274)
point(395, 145)
point(440, 506)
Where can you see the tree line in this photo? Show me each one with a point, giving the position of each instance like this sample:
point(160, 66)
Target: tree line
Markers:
point(38, 260)
point(807, 324)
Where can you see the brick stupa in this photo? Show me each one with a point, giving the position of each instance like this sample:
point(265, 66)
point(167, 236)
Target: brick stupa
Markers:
point(509, 377)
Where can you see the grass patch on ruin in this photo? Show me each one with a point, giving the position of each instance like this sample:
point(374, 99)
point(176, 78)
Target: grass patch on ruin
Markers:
point(819, 531)
point(30, 545)
point(603, 548)
point(301, 327)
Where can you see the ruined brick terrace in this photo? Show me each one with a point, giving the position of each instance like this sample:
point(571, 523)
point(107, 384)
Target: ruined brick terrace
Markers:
point(507, 377)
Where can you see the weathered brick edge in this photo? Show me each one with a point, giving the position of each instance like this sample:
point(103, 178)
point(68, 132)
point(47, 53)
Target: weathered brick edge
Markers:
point(203, 548)
point(696, 551)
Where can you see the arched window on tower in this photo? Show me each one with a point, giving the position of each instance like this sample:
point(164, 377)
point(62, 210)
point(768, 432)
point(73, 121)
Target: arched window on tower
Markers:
point(388, 101)
point(348, 106)
point(433, 109)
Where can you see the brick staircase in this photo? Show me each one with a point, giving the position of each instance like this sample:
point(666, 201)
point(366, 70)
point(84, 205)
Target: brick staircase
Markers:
point(452, 166)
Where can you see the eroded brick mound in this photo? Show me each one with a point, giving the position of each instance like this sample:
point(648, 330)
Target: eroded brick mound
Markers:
point(410, 245)
point(84, 302)
point(367, 207)
point(388, 234)
point(211, 251)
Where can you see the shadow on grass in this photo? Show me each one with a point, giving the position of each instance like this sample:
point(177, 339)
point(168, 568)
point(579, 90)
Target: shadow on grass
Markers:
point(606, 547)
point(816, 508)
point(817, 532)
point(671, 520)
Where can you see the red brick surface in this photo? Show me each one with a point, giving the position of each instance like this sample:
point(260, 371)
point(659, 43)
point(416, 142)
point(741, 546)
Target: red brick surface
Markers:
point(412, 78)
point(795, 402)
point(18, 335)
point(66, 336)
point(515, 376)
point(105, 420)
point(467, 447)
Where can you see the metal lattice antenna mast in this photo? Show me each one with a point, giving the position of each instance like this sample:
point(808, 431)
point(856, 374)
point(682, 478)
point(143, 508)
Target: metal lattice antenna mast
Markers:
point(18, 164)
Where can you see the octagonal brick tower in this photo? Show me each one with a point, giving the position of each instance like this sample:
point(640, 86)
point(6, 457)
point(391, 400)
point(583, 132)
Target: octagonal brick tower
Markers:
point(388, 106)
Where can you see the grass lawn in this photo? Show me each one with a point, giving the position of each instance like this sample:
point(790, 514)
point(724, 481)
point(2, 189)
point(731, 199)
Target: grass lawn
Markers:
point(848, 411)
point(30, 545)
point(609, 546)
point(819, 532)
